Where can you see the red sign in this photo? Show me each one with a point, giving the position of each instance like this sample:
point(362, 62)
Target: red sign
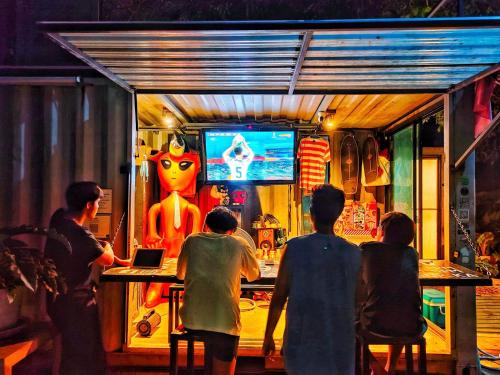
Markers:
point(239, 197)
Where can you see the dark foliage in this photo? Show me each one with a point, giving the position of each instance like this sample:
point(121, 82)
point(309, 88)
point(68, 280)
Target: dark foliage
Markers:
point(182, 10)
point(21, 265)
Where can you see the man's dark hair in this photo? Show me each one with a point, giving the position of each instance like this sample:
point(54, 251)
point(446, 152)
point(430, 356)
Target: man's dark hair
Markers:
point(398, 228)
point(327, 203)
point(79, 193)
point(238, 150)
point(221, 219)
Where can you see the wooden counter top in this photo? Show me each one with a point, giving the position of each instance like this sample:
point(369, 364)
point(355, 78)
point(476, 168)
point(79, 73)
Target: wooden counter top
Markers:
point(431, 273)
point(446, 273)
point(167, 274)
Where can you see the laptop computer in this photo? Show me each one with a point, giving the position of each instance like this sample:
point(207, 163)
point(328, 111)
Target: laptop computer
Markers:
point(148, 258)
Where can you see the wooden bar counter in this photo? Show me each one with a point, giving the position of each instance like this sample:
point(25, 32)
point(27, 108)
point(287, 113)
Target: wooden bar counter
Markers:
point(431, 273)
point(439, 273)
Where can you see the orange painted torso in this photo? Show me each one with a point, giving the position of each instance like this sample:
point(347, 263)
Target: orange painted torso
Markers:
point(177, 174)
point(173, 237)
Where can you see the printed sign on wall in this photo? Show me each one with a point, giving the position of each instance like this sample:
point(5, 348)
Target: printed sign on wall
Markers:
point(105, 205)
point(100, 226)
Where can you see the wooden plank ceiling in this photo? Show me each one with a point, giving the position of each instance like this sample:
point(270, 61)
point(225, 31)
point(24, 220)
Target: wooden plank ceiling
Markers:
point(352, 111)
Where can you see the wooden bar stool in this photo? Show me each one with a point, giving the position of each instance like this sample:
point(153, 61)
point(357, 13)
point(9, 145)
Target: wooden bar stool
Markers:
point(374, 339)
point(183, 335)
point(176, 335)
point(174, 296)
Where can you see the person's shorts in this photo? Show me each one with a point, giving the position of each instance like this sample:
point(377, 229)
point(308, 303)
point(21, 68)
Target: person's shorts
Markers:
point(224, 347)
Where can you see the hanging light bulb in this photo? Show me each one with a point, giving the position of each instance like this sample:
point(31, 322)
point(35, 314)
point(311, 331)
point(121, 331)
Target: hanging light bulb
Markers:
point(168, 118)
point(329, 121)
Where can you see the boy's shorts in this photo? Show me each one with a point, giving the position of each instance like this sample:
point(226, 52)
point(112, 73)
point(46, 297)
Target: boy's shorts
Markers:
point(224, 347)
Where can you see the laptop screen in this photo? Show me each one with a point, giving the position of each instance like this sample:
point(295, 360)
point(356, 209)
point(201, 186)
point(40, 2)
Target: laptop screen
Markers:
point(148, 258)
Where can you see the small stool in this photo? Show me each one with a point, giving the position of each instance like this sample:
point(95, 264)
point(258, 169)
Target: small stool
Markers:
point(183, 335)
point(375, 339)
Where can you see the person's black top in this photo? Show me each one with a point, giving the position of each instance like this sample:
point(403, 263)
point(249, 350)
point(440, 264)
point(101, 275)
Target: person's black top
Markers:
point(390, 294)
point(74, 267)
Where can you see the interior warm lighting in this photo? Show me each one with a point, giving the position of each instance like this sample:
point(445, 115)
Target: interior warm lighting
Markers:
point(329, 121)
point(168, 118)
point(430, 208)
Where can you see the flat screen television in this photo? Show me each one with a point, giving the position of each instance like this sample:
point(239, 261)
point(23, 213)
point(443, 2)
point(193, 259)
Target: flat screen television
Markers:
point(249, 156)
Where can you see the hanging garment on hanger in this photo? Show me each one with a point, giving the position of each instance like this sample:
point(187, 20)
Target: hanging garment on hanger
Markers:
point(314, 135)
point(313, 153)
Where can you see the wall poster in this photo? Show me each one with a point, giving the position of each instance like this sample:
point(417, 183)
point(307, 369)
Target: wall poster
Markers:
point(403, 176)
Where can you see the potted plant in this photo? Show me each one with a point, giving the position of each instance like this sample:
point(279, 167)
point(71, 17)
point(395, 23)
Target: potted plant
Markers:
point(22, 266)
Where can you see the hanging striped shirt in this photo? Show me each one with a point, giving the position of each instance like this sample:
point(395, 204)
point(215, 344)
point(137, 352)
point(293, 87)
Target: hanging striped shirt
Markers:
point(313, 153)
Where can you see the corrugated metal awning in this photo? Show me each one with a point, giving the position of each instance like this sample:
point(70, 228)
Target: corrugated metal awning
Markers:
point(286, 57)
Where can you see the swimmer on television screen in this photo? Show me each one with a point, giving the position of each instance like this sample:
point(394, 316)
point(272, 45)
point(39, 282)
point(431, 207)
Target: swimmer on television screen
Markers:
point(238, 162)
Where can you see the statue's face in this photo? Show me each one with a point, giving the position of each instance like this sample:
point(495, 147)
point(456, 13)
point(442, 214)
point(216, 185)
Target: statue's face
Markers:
point(177, 173)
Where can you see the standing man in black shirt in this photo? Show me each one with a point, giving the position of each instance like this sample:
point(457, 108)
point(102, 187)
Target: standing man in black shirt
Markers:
point(75, 313)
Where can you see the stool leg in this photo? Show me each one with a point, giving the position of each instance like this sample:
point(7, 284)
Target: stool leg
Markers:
point(365, 355)
point(422, 358)
point(173, 355)
point(170, 312)
point(409, 359)
point(190, 357)
point(176, 309)
point(207, 365)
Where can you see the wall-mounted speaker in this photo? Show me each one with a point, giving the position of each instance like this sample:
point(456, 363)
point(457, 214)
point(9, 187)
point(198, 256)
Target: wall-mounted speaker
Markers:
point(265, 239)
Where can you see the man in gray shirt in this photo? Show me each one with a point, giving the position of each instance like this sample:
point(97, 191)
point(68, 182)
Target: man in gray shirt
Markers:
point(211, 265)
point(317, 276)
